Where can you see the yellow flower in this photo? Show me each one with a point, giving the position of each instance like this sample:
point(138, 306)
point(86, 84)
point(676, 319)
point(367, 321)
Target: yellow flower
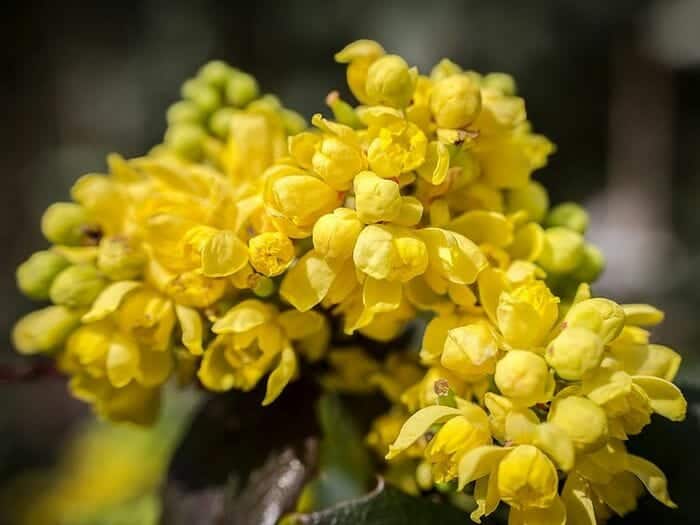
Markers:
point(470, 351)
point(465, 428)
point(524, 377)
point(390, 81)
point(335, 234)
point(396, 145)
point(390, 253)
point(254, 339)
point(337, 156)
point(583, 420)
point(526, 314)
point(523, 477)
point(575, 352)
point(376, 199)
point(270, 253)
point(455, 101)
point(359, 56)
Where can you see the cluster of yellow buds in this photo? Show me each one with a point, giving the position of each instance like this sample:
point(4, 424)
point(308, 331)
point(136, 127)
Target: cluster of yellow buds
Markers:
point(223, 255)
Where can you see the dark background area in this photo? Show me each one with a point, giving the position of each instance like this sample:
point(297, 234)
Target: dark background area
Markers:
point(616, 85)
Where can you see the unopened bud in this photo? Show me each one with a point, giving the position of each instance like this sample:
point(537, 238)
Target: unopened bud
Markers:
point(205, 97)
point(342, 111)
point(64, 223)
point(44, 330)
point(215, 73)
point(390, 82)
point(220, 122)
point(35, 275)
point(568, 215)
point(455, 101)
point(502, 82)
point(591, 266)
point(562, 251)
point(241, 89)
point(77, 285)
point(184, 111)
point(186, 140)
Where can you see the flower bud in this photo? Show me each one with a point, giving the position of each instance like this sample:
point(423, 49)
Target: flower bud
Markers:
point(455, 101)
point(390, 82)
point(186, 140)
point(335, 234)
point(443, 69)
point(568, 215)
point(184, 111)
point(591, 266)
point(64, 222)
point(35, 275)
point(265, 287)
point(501, 82)
point(602, 316)
point(241, 89)
point(342, 111)
point(376, 199)
point(215, 73)
point(77, 285)
point(205, 97)
point(532, 199)
point(584, 422)
point(527, 478)
point(524, 377)
point(293, 122)
point(574, 352)
point(220, 121)
point(270, 253)
point(120, 259)
point(470, 352)
point(45, 329)
point(562, 251)
point(526, 314)
point(337, 162)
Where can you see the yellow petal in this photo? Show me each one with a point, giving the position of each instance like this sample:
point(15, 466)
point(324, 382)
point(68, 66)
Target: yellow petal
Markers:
point(579, 507)
point(665, 397)
point(479, 462)
point(154, 367)
point(437, 160)
point(642, 314)
point(122, 361)
point(223, 254)
point(243, 317)
point(553, 515)
point(308, 282)
point(380, 295)
point(298, 325)
point(453, 256)
point(652, 477)
point(109, 300)
point(417, 425)
point(492, 283)
point(481, 226)
point(281, 376)
point(191, 327)
point(555, 442)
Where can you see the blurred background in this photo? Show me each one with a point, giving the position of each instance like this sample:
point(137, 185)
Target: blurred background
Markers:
point(616, 85)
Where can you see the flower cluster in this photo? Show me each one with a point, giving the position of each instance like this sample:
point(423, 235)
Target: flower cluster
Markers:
point(227, 253)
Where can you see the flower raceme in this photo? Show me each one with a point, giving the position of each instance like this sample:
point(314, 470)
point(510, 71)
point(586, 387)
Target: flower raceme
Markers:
point(225, 256)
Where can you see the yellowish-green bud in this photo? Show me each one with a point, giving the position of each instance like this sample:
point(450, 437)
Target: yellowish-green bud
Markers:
point(184, 111)
point(342, 111)
point(220, 122)
point(562, 251)
point(591, 266)
point(602, 316)
point(293, 122)
point(574, 352)
point(265, 103)
point(120, 259)
point(455, 101)
point(265, 287)
point(443, 69)
point(532, 199)
point(501, 82)
point(64, 223)
point(44, 330)
point(241, 89)
point(216, 73)
point(390, 82)
point(568, 215)
point(77, 286)
point(186, 140)
point(35, 275)
point(524, 377)
point(583, 420)
point(204, 96)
